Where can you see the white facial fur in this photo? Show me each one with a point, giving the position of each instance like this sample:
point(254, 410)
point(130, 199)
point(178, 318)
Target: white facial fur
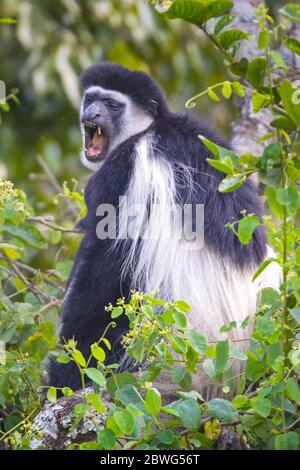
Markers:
point(135, 120)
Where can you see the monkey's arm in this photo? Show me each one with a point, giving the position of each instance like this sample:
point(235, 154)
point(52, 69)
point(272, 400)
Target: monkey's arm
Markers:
point(95, 277)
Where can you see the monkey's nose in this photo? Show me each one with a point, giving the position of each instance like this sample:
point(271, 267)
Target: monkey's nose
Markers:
point(91, 113)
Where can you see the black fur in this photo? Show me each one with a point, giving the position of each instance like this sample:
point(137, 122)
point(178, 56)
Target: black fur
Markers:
point(95, 277)
point(135, 84)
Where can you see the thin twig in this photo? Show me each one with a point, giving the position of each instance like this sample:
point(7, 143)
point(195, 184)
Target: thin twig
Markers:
point(49, 174)
point(52, 179)
point(46, 307)
point(44, 221)
point(35, 272)
point(34, 289)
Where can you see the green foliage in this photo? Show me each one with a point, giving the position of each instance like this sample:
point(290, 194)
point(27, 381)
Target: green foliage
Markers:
point(197, 12)
point(143, 417)
point(29, 309)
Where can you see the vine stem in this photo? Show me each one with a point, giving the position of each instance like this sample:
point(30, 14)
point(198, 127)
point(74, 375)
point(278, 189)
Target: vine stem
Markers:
point(17, 425)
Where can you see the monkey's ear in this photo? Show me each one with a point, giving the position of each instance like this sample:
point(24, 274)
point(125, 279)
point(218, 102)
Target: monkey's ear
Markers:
point(153, 105)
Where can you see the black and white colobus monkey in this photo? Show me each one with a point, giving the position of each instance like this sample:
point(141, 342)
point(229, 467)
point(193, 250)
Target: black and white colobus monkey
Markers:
point(138, 148)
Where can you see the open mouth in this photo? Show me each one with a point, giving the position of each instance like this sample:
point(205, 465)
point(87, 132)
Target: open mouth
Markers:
point(95, 141)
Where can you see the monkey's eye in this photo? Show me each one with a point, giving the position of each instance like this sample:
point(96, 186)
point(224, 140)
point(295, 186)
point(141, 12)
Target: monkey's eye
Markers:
point(89, 99)
point(113, 105)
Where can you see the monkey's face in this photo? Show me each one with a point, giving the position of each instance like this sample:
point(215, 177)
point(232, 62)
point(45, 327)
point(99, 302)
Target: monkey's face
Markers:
point(101, 117)
point(108, 118)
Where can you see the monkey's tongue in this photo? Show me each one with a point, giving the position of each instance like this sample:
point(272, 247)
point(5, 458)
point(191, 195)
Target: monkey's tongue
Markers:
point(96, 145)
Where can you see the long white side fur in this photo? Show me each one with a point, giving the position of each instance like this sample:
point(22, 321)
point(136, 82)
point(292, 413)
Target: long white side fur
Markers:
point(217, 291)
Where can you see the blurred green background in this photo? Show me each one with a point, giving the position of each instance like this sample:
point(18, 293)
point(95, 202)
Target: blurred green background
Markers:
point(43, 55)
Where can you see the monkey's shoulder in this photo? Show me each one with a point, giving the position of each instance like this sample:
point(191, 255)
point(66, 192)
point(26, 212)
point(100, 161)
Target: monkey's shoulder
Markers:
point(177, 137)
point(187, 126)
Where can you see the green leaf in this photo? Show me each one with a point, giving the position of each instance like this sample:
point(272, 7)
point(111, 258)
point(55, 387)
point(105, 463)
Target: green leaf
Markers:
point(288, 441)
point(95, 400)
point(240, 68)
point(192, 11)
point(263, 40)
point(230, 37)
point(229, 327)
point(295, 312)
point(290, 96)
point(11, 251)
point(291, 11)
point(107, 343)
point(260, 101)
point(212, 147)
point(292, 44)
point(183, 377)
point(221, 409)
point(283, 122)
point(294, 357)
point(221, 153)
point(125, 421)
point(88, 446)
point(189, 413)
point(54, 236)
point(237, 354)
point(5, 106)
point(265, 326)
point(166, 437)
point(96, 376)
point(212, 95)
point(238, 89)
point(217, 8)
point(153, 402)
point(293, 391)
point(180, 319)
point(98, 352)
point(128, 395)
point(256, 72)
point(197, 12)
point(179, 345)
point(274, 205)
point(220, 166)
point(78, 357)
point(197, 341)
point(288, 197)
point(183, 306)
point(52, 394)
point(7, 21)
point(240, 401)
point(222, 356)
point(107, 439)
point(147, 310)
point(261, 406)
point(230, 184)
point(222, 23)
point(272, 352)
point(227, 90)
point(28, 234)
point(116, 312)
point(67, 391)
point(209, 369)
point(278, 60)
point(246, 228)
point(134, 410)
point(63, 359)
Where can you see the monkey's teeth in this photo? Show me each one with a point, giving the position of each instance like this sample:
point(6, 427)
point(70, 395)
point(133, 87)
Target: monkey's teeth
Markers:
point(99, 131)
